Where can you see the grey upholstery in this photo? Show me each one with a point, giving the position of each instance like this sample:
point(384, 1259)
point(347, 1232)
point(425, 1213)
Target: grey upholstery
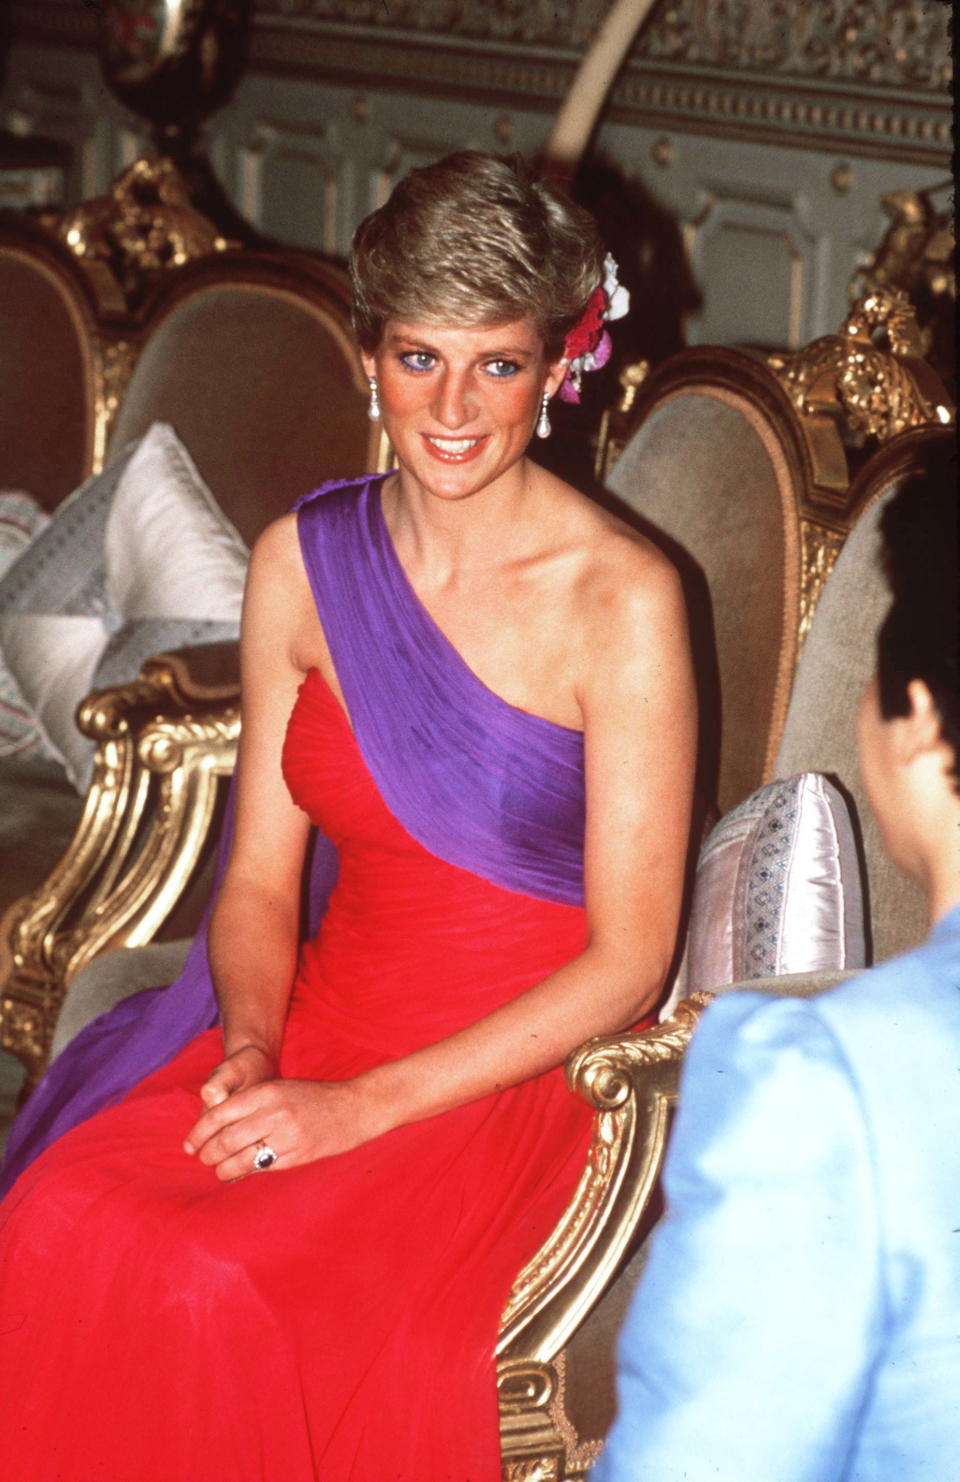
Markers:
point(707, 475)
point(837, 661)
point(112, 977)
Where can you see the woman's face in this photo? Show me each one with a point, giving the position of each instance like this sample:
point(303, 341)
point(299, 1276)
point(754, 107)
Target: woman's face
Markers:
point(460, 405)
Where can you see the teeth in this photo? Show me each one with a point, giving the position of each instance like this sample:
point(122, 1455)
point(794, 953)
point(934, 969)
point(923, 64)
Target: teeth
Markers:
point(454, 445)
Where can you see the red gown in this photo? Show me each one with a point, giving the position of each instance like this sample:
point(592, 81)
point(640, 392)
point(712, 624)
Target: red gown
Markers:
point(328, 1323)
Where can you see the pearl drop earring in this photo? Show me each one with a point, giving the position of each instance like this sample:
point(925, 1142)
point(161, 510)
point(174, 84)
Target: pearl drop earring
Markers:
point(373, 410)
point(543, 421)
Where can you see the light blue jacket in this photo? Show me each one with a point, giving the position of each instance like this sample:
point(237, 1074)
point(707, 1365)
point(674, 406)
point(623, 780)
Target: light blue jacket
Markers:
point(799, 1318)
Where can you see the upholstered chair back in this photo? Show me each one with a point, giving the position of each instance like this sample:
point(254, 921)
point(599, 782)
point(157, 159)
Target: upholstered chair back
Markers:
point(250, 357)
point(837, 661)
point(47, 366)
point(717, 469)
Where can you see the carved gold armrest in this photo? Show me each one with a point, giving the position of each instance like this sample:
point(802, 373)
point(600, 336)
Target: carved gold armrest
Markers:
point(162, 743)
point(631, 1082)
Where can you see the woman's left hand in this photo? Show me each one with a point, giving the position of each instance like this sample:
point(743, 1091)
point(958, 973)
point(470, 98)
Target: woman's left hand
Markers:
point(300, 1120)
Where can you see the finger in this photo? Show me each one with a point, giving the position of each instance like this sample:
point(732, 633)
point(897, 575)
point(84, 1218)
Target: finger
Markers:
point(234, 1139)
point(232, 1109)
point(221, 1083)
point(241, 1164)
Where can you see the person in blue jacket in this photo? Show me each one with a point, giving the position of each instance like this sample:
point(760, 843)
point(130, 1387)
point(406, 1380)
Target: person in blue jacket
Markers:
point(799, 1317)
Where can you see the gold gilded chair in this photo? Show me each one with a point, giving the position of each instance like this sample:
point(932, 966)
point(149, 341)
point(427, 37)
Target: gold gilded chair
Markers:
point(61, 329)
point(558, 1338)
point(555, 1351)
point(250, 356)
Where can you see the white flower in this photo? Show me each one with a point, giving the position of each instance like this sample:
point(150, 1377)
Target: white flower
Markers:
point(618, 298)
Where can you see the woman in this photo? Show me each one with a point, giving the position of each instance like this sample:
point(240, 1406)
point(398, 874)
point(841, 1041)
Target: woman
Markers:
point(449, 661)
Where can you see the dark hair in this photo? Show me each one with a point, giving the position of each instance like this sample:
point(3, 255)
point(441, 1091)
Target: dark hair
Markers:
point(920, 636)
point(475, 239)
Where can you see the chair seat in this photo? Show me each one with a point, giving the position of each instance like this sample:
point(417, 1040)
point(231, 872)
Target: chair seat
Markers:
point(39, 811)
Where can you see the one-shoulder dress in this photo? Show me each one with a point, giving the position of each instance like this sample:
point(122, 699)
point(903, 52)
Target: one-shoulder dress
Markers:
point(333, 1322)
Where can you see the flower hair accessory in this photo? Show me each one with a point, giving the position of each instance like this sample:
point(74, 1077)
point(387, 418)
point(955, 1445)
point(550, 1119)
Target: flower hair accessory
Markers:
point(587, 345)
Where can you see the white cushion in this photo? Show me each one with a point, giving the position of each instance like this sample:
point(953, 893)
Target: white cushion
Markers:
point(138, 559)
point(778, 888)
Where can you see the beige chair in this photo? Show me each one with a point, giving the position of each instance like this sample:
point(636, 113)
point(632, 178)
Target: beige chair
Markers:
point(724, 472)
point(62, 336)
point(56, 344)
point(776, 473)
point(569, 1340)
point(251, 358)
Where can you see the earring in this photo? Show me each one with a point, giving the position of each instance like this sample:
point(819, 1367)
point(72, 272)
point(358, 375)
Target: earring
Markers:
point(373, 410)
point(543, 421)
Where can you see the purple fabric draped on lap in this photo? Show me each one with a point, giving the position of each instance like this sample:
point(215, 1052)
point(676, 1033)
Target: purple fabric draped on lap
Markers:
point(478, 782)
point(110, 1055)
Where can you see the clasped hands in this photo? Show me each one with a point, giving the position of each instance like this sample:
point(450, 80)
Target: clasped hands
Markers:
point(247, 1104)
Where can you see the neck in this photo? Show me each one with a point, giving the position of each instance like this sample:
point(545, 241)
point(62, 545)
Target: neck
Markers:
point(442, 536)
point(938, 862)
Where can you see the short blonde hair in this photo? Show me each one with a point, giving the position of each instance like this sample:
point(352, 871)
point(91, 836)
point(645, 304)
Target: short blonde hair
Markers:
point(475, 239)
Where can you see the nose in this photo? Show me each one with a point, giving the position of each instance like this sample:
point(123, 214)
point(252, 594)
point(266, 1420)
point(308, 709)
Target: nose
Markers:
point(455, 404)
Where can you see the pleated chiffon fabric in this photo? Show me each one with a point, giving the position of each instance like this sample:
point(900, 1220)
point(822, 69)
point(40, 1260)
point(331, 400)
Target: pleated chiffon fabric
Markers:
point(334, 1322)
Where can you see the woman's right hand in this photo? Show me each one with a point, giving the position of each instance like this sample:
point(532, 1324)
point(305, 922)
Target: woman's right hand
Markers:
point(246, 1067)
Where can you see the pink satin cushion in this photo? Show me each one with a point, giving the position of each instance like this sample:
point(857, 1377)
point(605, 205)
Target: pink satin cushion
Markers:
point(778, 888)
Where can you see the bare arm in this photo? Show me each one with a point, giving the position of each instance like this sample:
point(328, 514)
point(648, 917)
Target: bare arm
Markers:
point(253, 933)
point(639, 709)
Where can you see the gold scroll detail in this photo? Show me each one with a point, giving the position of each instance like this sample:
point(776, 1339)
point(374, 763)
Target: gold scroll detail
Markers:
point(615, 423)
point(604, 1073)
point(878, 390)
point(114, 364)
point(819, 549)
point(579, 1456)
point(530, 1445)
point(630, 1080)
point(145, 224)
point(917, 256)
point(158, 761)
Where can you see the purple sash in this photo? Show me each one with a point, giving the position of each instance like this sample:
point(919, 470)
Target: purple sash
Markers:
point(476, 781)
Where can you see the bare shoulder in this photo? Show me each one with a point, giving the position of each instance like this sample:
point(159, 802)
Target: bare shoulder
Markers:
point(277, 548)
point(625, 585)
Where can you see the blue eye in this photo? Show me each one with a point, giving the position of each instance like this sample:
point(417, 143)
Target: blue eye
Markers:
point(501, 368)
point(418, 360)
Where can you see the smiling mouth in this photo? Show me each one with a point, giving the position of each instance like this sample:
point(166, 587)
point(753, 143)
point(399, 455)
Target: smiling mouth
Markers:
point(454, 449)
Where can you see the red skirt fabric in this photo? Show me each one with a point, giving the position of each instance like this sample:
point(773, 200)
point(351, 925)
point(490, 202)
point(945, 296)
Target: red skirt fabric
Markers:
point(329, 1323)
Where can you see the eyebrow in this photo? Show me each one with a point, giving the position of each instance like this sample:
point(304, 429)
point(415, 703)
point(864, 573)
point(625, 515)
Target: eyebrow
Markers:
point(397, 339)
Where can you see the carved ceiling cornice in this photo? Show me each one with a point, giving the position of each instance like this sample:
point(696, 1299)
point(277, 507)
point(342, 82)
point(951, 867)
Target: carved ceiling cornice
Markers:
point(855, 76)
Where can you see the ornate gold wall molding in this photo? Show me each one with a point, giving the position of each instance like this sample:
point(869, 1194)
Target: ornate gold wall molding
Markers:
point(900, 44)
point(867, 77)
point(903, 44)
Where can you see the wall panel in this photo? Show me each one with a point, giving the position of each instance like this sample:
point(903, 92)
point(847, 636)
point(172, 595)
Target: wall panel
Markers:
point(758, 138)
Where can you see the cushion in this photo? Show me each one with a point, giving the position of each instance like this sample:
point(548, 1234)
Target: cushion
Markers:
point(778, 888)
point(138, 559)
point(21, 518)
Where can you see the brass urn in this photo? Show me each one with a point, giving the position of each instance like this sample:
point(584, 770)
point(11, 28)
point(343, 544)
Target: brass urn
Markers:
point(173, 62)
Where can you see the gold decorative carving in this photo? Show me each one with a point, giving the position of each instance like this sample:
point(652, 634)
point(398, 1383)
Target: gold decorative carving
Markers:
point(895, 43)
point(542, 1469)
point(529, 1443)
point(615, 423)
point(820, 548)
point(146, 819)
point(114, 364)
point(916, 256)
point(525, 1386)
point(878, 391)
point(574, 1259)
point(144, 224)
point(602, 1070)
point(579, 1456)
